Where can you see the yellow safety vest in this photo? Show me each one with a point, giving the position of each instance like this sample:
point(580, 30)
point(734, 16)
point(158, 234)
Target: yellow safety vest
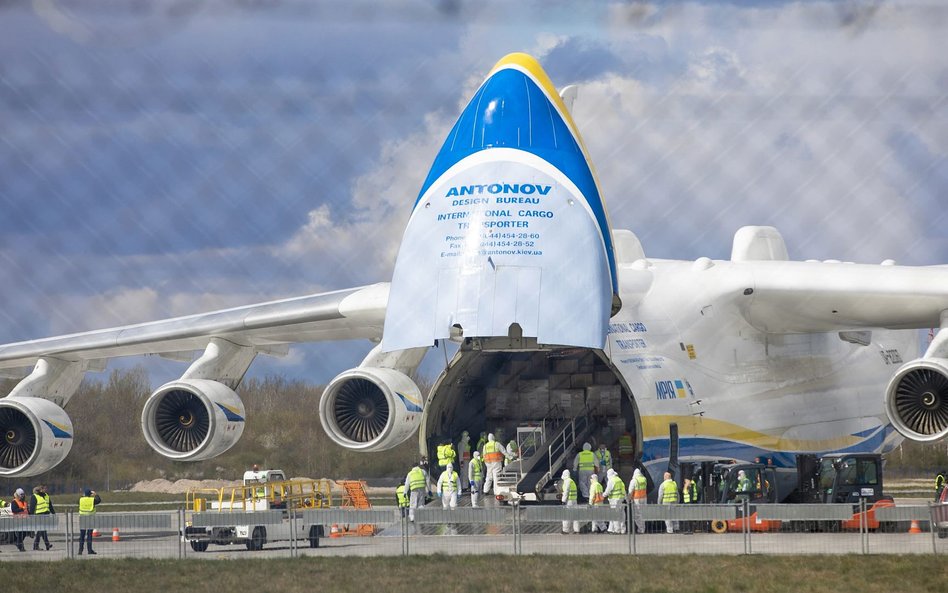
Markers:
point(87, 505)
point(595, 493)
point(416, 479)
point(446, 454)
point(625, 445)
point(604, 457)
point(569, 487)
point(492, 452)
point(42, 504)
point(451, 483)
point(670, 494)
point(690, 494)
point(477, 469)
point(618, 489)
point(400, 496)
point(587, 461)
point(639, 486)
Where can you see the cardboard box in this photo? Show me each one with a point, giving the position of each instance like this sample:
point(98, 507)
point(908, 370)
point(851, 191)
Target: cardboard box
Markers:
point(581, 380)
point(604, 378)
point(559, 381)
point(565, 366)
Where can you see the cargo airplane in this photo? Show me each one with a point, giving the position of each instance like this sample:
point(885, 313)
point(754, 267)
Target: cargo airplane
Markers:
point(509, 254)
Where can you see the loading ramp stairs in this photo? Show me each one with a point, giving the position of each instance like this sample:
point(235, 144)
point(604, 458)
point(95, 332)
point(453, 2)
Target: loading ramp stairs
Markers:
point(559, 438)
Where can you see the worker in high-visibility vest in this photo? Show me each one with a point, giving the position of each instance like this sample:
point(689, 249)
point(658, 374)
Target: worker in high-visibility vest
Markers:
point(584, 465)
point(940, 478)
point(668, 494)
point(568, 497)
point(481, 442)
point(475, 476)
point(596, 498)
point(40, 504)
point(449, 485)
point(402, 500)
point(689, 495)
point(639, 486)
point(21, 510)
point(494, 454)
point(603, 460)
point(464, 456)
point(615, 494)
point(743, 486)
point(626, 448)
point(416, 483)
point(87, 504)
point(513, 452)
point(446, 455)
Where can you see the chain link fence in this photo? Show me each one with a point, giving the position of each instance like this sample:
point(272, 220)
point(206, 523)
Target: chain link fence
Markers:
point(519, 530)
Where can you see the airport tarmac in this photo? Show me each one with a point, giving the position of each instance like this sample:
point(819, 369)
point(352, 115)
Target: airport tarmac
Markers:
point(169, 546)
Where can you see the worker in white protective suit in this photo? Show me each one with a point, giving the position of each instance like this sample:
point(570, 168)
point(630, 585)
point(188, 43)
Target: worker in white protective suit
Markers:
point(449, 485)
point(584, 465)
point(416, 484)
point(638, 485)
point(494, 454)
point(475, 476)
point(615, 494)
point(568, 498)
point(596, 498)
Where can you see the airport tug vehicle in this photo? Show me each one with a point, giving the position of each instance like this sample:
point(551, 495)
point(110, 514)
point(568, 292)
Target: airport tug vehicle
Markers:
point(260, 490)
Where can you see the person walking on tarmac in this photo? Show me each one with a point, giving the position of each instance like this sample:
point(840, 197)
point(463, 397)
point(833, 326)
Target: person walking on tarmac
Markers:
point(639, 486)
point(87, 504)
point(568, 498)
point(416, 484)
point(584, 465)
point(20, 509)
point(449, 485)
point(596, 498)
point(494, 454)
point(668, 494)
point(475, 477)
point(615, 493)
point(40, 504)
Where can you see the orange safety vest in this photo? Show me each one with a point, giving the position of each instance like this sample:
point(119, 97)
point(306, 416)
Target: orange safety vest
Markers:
point(639, 486)
point(492, 453)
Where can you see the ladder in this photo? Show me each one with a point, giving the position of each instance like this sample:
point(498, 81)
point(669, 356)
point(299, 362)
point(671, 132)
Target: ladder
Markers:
point(355, 498)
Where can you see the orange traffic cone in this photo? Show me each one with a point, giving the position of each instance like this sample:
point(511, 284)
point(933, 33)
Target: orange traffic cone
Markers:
point(915, 528)
point(334, 531)
point(115, 534)
point(95, 533)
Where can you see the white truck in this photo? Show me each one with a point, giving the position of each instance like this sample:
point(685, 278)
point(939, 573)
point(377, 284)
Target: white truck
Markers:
point(264, 494)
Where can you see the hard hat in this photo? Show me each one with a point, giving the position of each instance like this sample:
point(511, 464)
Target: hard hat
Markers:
point(587, 447)
point(565, 474)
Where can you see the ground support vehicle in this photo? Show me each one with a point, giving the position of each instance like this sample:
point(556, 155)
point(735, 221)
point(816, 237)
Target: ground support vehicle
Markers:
point(267, 499)
point(854, 478)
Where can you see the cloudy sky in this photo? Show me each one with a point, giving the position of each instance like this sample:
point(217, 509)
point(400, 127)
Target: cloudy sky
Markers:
point(170, 157)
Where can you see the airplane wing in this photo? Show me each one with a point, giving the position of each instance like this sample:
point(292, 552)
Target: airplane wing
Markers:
point(800, 297)
point(345, 314)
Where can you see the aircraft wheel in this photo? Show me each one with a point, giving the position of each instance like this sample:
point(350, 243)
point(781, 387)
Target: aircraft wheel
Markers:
point(719, 526)
point(199, 546)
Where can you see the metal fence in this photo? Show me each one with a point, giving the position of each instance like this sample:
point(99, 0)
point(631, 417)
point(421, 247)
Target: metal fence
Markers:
point(386, 531)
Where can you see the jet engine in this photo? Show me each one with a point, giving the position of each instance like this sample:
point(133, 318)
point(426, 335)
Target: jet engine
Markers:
point(370, 409)
point(35, 435)
point(917, 399)
point(193, 419)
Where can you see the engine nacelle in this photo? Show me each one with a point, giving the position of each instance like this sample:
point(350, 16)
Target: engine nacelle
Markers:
point(916, 400)
point(35, 435)
point(193, 419)
point(370, 409)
